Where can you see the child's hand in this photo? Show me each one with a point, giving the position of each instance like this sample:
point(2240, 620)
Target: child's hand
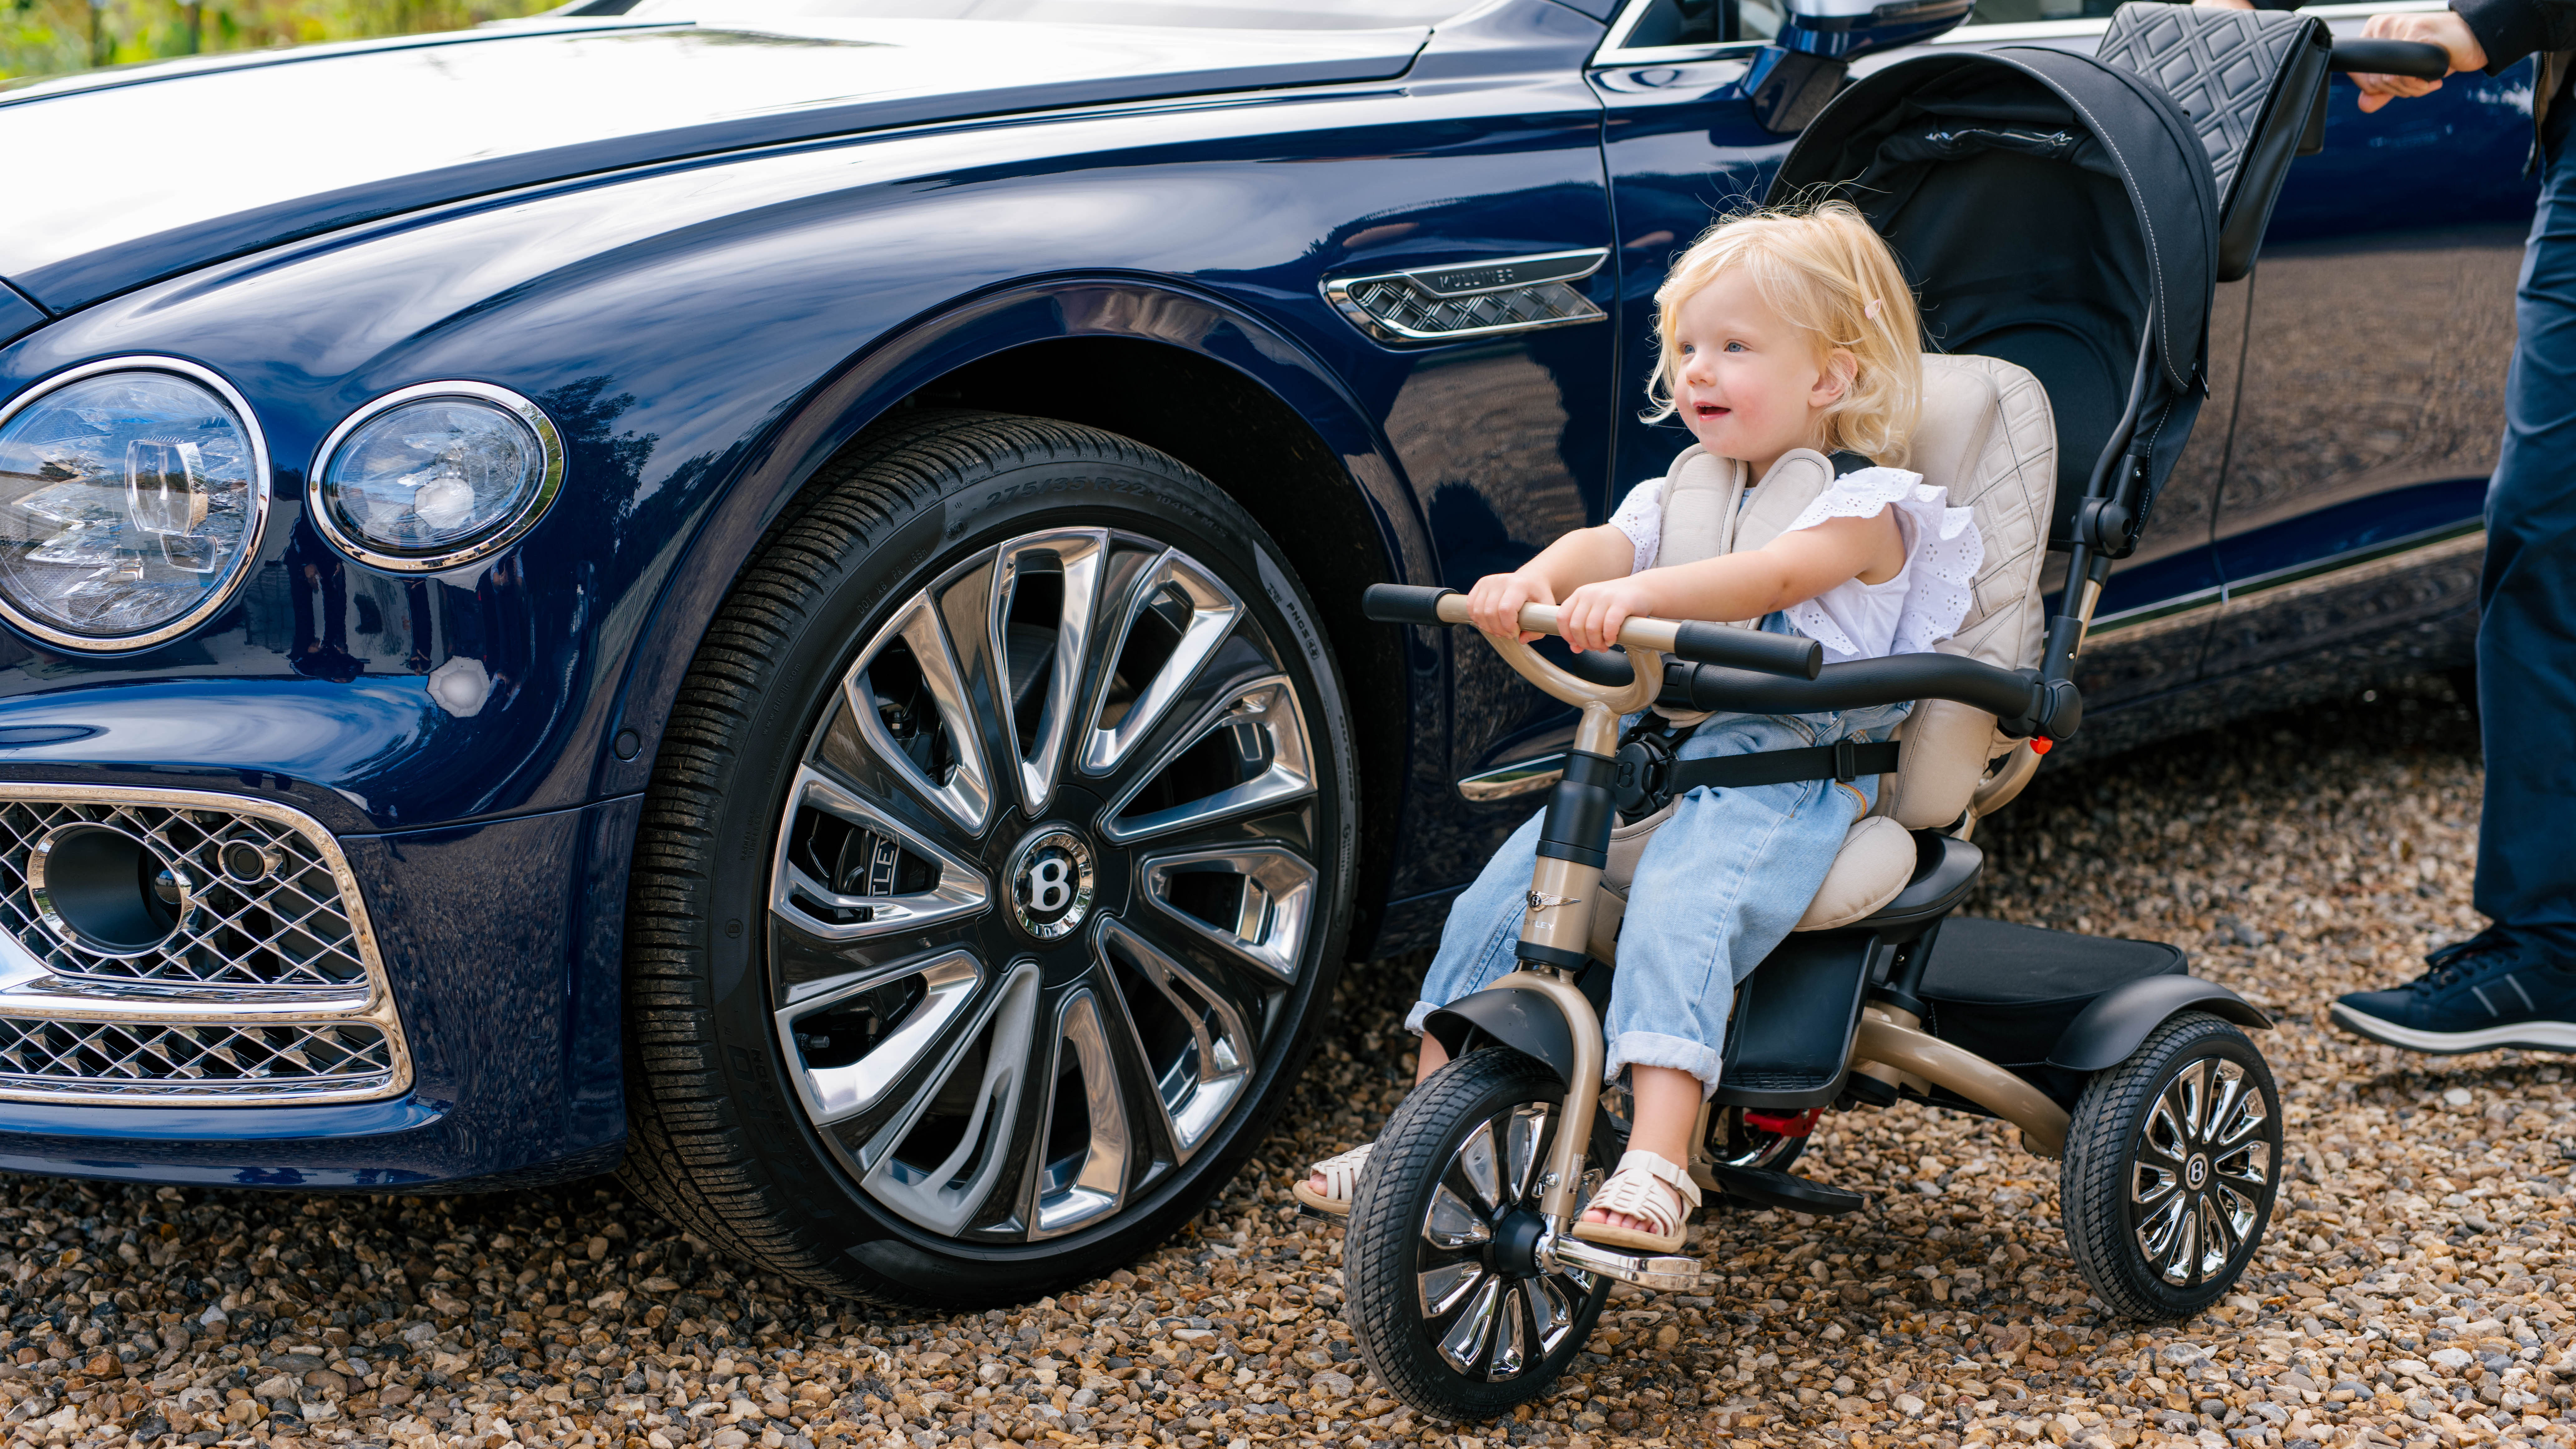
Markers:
point(1494, 605)
point(1592, 616)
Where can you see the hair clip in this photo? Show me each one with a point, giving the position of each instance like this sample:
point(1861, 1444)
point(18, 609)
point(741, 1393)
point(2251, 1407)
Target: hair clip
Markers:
point(1871, 311)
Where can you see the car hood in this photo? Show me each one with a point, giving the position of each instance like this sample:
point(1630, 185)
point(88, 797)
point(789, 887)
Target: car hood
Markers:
point(123, 178)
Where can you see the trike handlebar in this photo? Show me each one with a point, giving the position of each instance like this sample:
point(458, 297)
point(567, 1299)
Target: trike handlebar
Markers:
point(2354, 55)
point(1698, 642)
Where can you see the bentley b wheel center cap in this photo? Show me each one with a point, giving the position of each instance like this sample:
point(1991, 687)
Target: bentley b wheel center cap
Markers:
point(1051, 883)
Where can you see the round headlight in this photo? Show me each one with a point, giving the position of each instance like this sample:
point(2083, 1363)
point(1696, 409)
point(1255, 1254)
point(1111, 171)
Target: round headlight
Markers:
point(438, 475)
point(131, 497)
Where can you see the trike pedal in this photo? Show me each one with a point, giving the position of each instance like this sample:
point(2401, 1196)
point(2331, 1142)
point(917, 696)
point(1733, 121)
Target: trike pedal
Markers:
point(1764, 1187)
point(1663, 1274)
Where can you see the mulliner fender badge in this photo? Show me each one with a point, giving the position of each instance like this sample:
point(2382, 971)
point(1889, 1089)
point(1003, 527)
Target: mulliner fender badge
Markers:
point(253, 532)
point(548, 484)
point(1474, 299)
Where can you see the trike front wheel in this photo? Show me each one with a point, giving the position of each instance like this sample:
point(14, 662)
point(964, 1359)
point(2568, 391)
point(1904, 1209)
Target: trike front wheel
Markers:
point(1449, 1306)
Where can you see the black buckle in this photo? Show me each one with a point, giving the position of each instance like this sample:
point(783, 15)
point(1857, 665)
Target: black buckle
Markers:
point(1846, 760)
point(1642, 781)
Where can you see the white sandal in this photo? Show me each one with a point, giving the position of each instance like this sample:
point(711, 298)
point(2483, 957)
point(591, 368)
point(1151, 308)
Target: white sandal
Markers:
point(1341, 1174)
point(1647, 1187)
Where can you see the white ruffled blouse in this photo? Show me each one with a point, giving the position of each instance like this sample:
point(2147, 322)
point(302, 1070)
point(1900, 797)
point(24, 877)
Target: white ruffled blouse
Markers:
point(1909, 613)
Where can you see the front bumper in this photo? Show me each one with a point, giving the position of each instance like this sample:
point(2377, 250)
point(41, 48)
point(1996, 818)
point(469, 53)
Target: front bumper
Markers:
point(492, 973)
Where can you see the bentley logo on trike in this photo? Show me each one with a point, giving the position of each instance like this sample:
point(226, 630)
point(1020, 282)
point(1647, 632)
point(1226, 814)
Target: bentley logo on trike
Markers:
point(1051, 883)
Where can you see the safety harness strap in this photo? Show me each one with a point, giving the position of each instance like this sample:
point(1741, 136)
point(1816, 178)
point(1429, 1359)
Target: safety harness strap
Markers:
point(1841, 760)
point(1647, 777)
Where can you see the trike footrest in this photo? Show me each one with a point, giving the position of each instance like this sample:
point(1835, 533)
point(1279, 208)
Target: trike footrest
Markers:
point(1764, 1187)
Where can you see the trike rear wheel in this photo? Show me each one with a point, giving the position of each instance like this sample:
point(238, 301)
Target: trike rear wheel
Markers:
point(1449, 1308)
point(2172, 1161)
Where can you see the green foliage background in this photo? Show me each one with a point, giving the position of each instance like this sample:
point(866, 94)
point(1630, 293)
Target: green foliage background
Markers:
point(50, 37)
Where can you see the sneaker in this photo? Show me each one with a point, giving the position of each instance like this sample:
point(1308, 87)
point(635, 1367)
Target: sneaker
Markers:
point(2482, 993)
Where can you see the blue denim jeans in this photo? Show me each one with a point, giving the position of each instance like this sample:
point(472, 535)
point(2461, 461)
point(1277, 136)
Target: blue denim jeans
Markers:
point(1721, 884)
point(2526, 881)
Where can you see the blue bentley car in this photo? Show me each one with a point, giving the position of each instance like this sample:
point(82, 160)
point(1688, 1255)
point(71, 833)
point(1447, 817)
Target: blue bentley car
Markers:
point(768, 590)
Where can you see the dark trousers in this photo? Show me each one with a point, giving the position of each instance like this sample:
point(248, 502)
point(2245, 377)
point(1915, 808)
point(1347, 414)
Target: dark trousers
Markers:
point(2527, 597)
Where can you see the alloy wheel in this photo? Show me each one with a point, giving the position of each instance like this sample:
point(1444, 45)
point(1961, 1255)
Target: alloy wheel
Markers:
point(1044, 878)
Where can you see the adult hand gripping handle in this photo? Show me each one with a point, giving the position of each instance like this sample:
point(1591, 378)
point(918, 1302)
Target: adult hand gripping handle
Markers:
point(1701, 643)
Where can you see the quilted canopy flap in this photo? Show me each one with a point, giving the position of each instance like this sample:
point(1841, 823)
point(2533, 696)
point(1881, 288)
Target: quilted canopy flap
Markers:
point(2227, 70)
point(2052, 211)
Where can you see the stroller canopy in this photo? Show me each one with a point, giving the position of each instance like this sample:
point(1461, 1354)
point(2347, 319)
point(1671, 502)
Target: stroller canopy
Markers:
point(2050, 210)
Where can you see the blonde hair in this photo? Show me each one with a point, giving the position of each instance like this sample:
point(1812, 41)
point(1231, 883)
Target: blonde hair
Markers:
point(1828, 274)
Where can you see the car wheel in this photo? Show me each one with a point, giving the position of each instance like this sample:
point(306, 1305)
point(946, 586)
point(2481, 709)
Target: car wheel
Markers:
point(996, 866)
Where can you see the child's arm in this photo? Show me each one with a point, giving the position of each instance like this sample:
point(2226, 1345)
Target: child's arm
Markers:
point(1791, 569)
point(1582, 557)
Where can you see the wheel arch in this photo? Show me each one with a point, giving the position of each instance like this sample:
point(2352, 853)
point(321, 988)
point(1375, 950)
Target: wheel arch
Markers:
point(1228, 394)
point(2107, 1031)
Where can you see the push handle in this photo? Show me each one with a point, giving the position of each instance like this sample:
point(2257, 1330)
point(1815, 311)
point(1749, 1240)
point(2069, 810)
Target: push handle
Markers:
point(1701, 643)
point(2354, 55)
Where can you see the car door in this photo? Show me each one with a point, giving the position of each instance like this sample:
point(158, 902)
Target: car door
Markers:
point(2372, 405)
point(1681, 149)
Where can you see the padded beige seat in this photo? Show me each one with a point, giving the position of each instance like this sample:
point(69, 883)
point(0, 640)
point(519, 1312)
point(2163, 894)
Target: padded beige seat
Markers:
point(1987, 436)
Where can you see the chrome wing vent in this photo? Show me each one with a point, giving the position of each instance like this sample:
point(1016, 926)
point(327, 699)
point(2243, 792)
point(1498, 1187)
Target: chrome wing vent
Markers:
point(1479, 299)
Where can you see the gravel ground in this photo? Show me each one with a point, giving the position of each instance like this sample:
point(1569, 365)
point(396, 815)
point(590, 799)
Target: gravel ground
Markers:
point(2409, 1292)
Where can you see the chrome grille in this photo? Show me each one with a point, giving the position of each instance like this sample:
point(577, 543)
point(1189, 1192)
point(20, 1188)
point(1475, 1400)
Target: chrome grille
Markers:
point(212, 1062)
point(255, 984)
point(288, 929)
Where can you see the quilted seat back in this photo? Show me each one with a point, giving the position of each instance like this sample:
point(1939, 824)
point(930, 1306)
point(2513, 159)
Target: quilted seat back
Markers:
point(1987, 436)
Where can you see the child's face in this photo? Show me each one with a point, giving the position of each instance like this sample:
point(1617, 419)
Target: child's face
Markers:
point(1752, 385)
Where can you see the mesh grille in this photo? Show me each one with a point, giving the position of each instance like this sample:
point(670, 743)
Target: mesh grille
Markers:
point(289, 929)
point(1406, 307)
point(151, 1059)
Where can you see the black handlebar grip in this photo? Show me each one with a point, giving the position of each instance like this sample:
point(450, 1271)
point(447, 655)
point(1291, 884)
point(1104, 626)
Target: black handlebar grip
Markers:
point(1786, 654)
point(2389, 57)
point(1403, 603)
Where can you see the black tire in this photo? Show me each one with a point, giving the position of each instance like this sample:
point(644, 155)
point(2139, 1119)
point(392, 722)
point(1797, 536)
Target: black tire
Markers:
point(2172, 1161)
point(1391, 1262)
point(985, 990)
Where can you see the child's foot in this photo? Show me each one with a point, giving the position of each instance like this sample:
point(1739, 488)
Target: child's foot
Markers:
point(1334, 1182)
point(1645, 1207)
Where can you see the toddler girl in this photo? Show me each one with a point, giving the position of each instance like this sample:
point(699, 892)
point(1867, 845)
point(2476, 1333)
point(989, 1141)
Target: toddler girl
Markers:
point(1786, 336)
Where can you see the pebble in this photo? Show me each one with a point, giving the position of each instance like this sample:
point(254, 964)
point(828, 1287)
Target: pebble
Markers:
point(2412, 1291)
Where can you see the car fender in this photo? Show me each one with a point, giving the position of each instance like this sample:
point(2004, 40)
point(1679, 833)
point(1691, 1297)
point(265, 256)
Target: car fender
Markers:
point(1525, 1020)
point(979, 327)
point(2104, 1034)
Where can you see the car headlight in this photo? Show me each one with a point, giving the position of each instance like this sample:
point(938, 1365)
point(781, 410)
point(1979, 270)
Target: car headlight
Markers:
point(436, 476)
point(132, 492)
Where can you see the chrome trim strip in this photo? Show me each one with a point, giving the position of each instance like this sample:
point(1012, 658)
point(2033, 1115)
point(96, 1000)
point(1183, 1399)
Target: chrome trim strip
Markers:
point(1520, 777)
point(511, 530)
point(31, 992)
point(1472, 279)
point(243, 563)
point(2176, 609)
point(1614, 44)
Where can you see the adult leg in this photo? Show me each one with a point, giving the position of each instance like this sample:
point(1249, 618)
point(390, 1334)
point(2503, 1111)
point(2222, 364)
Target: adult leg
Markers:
point(2514, 984)
point(2526, 880)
